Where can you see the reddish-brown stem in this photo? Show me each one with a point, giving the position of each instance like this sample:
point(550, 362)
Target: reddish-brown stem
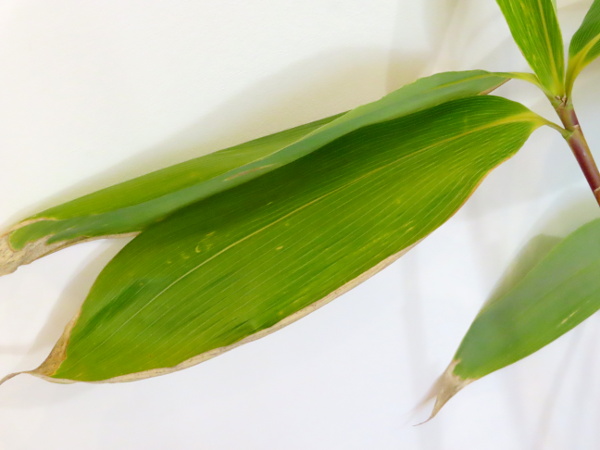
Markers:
point(579, 146)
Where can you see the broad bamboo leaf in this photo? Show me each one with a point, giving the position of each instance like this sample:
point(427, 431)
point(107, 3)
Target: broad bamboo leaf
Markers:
point(246, 262)
point(585, 45)
point(535, 29)
point(557, 294)
point(131, 206)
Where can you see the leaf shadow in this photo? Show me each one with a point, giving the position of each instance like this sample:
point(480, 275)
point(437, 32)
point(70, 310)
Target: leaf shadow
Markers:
point(76, 291)
point(13, 349)
point(65, 308)
point(316, 87)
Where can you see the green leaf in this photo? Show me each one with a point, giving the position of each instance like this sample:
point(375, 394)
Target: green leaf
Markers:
point(527, 258)
point(132, 206)
point(246, 262)
point(557, 294)
point(585, 45)
point(535, 29)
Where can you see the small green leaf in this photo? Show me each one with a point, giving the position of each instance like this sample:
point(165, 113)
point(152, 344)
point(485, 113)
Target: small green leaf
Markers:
point(557, 294)
point(535, 29)
point(585, 45)
point(131, 206)
point(246, 262)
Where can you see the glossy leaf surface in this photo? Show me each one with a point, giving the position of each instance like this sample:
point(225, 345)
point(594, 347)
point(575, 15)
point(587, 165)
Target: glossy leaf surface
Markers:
point(557, 294)
point(585, 45)
point(535, 29)
point(249, 260)
point(131, 206)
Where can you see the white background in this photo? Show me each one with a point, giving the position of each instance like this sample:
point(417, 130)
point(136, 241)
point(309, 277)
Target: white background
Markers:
point(92, 93)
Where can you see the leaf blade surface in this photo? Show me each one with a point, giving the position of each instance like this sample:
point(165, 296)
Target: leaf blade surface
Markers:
point(534, 27)
point(585, 44)
point(131, 206)
point(238, 265)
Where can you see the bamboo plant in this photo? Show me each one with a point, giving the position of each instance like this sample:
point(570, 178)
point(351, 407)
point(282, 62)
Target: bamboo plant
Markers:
point(234, 245)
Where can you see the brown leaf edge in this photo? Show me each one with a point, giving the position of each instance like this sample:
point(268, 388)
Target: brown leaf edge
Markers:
point(11, 259)
point(58, 353)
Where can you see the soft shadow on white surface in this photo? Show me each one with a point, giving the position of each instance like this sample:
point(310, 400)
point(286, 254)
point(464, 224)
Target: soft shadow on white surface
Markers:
point(307, 91)
point(64, 310)
point(548, 410)
point(413, 325)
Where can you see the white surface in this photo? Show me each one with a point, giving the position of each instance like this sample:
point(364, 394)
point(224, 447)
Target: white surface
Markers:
point(93, 93)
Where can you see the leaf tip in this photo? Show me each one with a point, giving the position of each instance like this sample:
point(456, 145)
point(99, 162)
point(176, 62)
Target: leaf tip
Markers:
point(12, 258)
point(493, 88)
point(9, 376)
point(9, 259)
point(446, 387)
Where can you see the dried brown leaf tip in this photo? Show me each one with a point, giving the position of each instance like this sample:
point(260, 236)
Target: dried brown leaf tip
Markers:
point(11, 258)
point(446, 387)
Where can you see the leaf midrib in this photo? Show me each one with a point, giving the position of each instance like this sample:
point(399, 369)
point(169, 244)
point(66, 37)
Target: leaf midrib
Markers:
point(556, 75)
point(517, 118)
point(233, 173)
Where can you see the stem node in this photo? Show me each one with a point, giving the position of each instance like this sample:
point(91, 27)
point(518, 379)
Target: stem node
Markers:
point(579, 145)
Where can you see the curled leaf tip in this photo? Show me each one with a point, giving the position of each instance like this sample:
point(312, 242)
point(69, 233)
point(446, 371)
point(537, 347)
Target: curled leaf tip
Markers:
point(9, 376)
point(11, 258)
point(58, 354)
point(446, 387)
point(493, 88)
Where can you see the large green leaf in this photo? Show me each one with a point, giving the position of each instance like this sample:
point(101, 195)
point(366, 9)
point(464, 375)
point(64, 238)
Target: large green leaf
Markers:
point(252, 259)
point(557, 294)
point(585, 45)
point(535, 29)
point(131, 206)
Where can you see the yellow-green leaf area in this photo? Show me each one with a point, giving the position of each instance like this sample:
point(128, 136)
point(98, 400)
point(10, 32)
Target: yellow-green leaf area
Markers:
point(561, 291)
point(535, 29)
point(241, 262)
point(585, 45)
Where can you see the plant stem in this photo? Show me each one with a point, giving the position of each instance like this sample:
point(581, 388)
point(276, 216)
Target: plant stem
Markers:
point(579, 145)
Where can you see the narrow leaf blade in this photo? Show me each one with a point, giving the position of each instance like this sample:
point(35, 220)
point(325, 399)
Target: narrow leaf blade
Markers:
point(585, 45)
point(132, 206)
point(535, 29)
point(556, 295)
point(243, 263)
